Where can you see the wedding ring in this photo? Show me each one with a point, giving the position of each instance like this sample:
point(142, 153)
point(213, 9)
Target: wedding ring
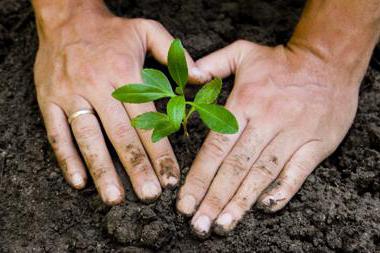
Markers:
point(76, 114)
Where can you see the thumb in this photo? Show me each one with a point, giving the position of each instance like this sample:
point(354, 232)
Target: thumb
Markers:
point(158, 41)
point(225, 61)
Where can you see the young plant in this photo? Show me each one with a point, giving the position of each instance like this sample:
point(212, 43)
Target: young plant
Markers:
point(156, 86)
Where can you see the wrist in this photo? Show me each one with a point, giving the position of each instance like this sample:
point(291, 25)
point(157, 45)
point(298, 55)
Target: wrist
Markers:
point(341, 34)
point(52, 15)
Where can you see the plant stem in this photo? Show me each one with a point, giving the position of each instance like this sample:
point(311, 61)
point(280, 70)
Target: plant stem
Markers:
point(184, 123)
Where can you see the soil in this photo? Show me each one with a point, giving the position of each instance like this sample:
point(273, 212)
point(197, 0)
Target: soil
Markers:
point(337, 210)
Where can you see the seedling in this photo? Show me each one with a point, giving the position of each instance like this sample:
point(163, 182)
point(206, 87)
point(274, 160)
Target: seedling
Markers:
point(156, 86)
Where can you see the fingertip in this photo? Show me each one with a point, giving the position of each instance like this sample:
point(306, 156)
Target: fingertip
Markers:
point(77, 181)
point(198, 76)
point(150, 191)
point(269, 204)
point(74, 173)
point(200, 226)
point(224, 224)
point(113, 195)
point(166, 166)
point(170, 182)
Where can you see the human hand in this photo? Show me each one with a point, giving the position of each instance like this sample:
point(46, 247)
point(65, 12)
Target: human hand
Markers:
point(294, 106)
point(80, 61)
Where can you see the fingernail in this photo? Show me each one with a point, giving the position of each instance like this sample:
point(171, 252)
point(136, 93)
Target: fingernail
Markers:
point(196, 72)
point(224, 220)
point(172, 181)
point(266, 204)
point(150, 191)
point(202, 225)
point(112, 194)
point(224, 224)
point(186, 205)
point(77, 180)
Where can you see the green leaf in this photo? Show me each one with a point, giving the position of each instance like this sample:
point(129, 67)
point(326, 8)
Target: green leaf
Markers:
point(162, 130)
point(148, 120)
point(139, 93)
point(209, 92)
point(158, 79)
point(176, 110)
point(179, 91)
point(177, 63)
point(217, 118)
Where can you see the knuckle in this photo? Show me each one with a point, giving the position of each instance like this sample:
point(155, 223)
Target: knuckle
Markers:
point(216, 145)
point(139, 169)
point(151, 24)
point(64, 158)
point(238, 163)
point(122, 130)
point(242, 203)
point(214, 201)
point(241, 42)
point(268, 166)
point(86, 132)
point(99, 170)
point(197, 182)
point(139, 21)
point(298, 165)
point(266, 171)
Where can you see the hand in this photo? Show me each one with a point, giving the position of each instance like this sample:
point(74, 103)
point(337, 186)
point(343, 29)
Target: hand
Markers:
point(294, 107)
point(79, 64)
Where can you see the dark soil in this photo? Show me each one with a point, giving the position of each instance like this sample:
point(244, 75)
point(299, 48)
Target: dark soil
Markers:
point(337, 210)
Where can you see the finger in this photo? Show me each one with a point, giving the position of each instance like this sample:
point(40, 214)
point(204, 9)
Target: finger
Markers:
point(91, 143)
point(213, 151)
point(127, 144)
point(263, 172)
point(60, 139)
point(291, 178)
point(160, 153)
point(230, 175)
point(158, 44)
point(225, 61)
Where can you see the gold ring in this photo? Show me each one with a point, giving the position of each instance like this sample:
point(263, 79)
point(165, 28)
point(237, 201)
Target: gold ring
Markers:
point(76, 114)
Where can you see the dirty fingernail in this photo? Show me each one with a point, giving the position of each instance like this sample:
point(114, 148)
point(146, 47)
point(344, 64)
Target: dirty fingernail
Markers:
point(77, 181)
point(202, 225)
point(171, 181)
point(196, 72)
point(266, 204)
point(150, 191)
point(112, 195)
point(224, 219)
point(186, 205)
point(224, 224)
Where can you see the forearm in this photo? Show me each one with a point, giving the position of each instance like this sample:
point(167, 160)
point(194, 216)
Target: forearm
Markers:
point(342, 32)
point(50, 15)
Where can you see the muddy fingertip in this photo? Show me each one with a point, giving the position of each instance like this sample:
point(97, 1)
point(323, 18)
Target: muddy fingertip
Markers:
point(77, 181)
point(150, 192)
point(267, 205)
point(224, 224)
point(201, 227)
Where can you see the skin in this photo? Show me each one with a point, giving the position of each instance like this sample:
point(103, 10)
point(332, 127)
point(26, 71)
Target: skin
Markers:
point(84, 54)
point(294, 103)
